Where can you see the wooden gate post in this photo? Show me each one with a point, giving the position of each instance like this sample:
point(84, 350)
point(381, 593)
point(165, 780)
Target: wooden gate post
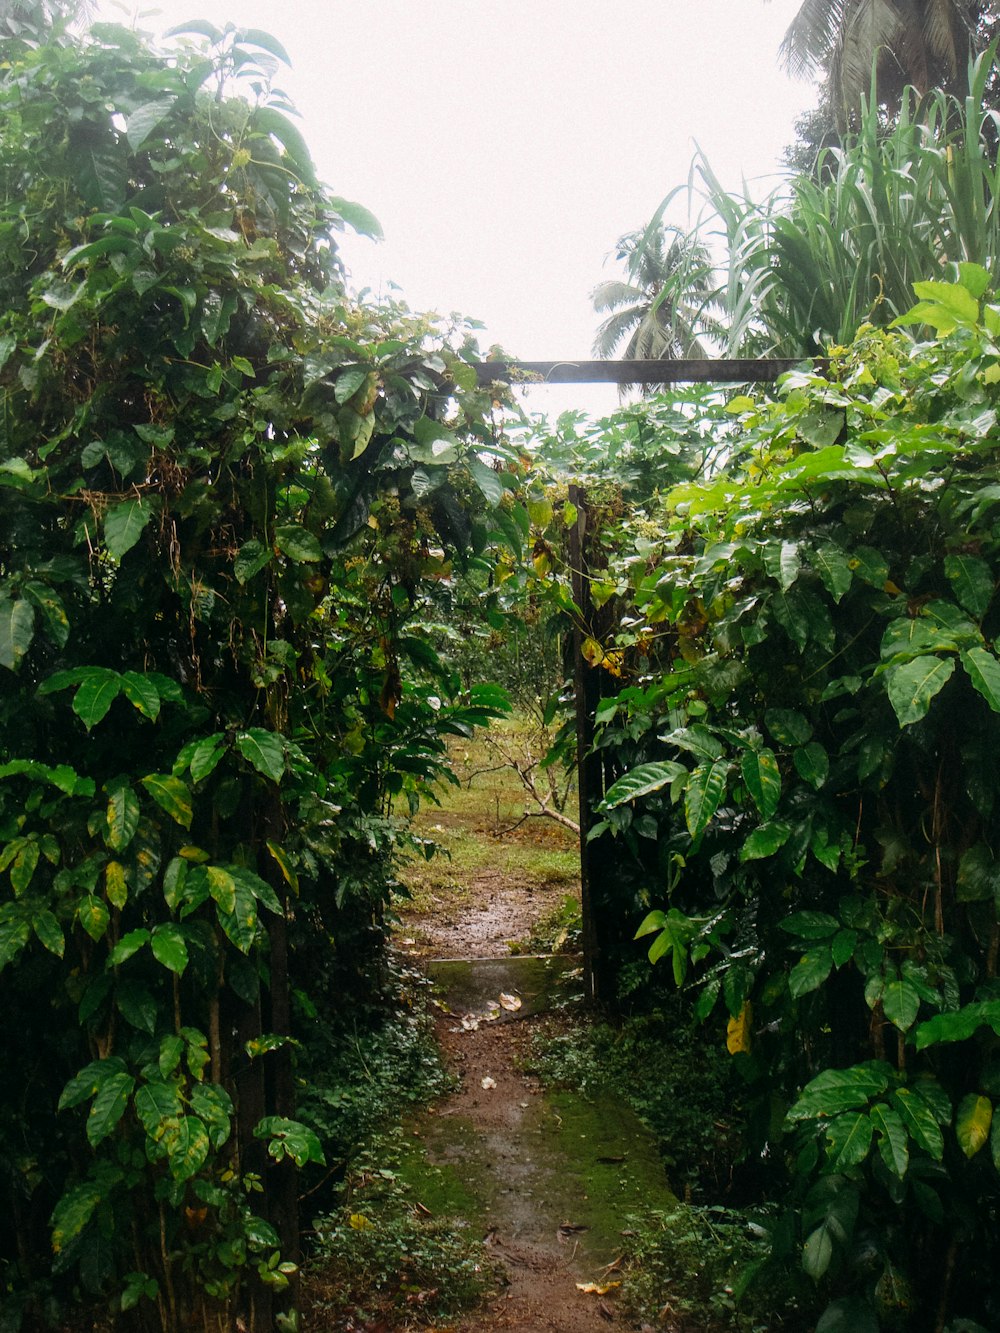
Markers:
point(590, 769)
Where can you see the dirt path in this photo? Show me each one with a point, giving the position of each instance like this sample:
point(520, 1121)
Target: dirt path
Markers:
point(556, 1176)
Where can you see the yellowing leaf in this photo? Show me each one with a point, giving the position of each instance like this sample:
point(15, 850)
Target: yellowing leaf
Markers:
point(738, 1031)
point(358, 1222)
point(597, 1288)
point(593, 653)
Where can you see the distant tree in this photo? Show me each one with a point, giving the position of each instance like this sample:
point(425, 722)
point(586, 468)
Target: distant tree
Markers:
point(658, 309)
point(923, 43)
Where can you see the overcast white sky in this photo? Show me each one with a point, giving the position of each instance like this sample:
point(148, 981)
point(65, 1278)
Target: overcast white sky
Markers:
point(505, 144)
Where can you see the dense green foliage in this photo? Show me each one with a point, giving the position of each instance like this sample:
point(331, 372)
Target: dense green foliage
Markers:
point(227, 496)
point(842, 244)
point(801, 715)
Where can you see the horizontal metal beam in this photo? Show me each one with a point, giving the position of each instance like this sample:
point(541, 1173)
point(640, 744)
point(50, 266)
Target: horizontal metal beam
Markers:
point(704, 371)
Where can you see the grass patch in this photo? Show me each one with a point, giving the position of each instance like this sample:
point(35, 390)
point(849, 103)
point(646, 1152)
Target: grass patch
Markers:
point(403, 1244)
point(472, 826)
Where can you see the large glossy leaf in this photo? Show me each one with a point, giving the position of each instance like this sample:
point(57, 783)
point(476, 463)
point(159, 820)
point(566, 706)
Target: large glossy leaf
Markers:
point(125, 524)
point(705, 790)
point(171, 795)
point(912, 686)
point(17, 629)
point(920, 1121)
point(901, 1003)
point(810, 925)
point(837, 1090)
point(123, 817)
point(983, 669)
point(144, 119)
point(972, 1123)
point(97, 691)
point(831, 564)
point(817, 1252)
point(892, 1138)
point(812, 763)
point(810, 971)
point(264, 750)
point(240, 925)
point(141, 693)
point(297, 543)
point(187, 1143)
point(763, 779)
point(972, 580)
point(848, 1139)
point(958, 1025)
point(170, 947)
point(108, 1106)
point(641, 781)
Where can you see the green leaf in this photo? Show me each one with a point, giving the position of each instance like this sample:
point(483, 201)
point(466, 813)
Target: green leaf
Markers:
point(765, 840)
point(264, 750)
point(155, 1102)
point(787, 726)
point(290, 1138)
point(911, 687)
point(128, 945)
point(49, 932)
point(641, 781)
point(810, 971)
point(983, 669)
point(250, 560)
point(297, 543)
point(141, 693)
point(73, 1212)
point(144, 120)
point(93, 916)
point(214, 1108)
point(206, 755)
point(703, 796)
point(892, 1138)
point(812, 764)
point(23, 870)
point(973, 582)
point(486, 479)
point(17, 629)
point(972, 1123)
point(172, 796)
point(187, 1146)
point(959, 1025)
point(817, 1252)
point(97, 691)
point(837, 1090)
point(115, 884)
point(848, 1139)
point(978, 875)
point(272, 122)
point(108, 1106)
point(831, 564)
point(349, 382)
point(123, 817)
point(240, 925)
point(222, 887)
point(169, 947)
point(920, 1121)
point(356, 216)
point(124, 525)
point(901, 1004)
point(285, 866)
point(810, 925)
point(763, 780)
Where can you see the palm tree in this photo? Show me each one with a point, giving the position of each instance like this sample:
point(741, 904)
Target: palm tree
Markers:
point(659, 310)
point(925, 43)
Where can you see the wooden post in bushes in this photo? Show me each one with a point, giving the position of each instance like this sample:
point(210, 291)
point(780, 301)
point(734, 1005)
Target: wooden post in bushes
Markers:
point(590, 769)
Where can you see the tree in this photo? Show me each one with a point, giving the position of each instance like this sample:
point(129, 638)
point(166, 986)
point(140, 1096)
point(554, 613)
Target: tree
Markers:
point(922, 43)
point(658, 310)
point(224, 494)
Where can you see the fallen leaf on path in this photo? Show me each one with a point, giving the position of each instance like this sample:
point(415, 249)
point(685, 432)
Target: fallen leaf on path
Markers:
point(488, 1083)
point(568, 1227)
point(470, 1023)
point(597, 1288)
point(511, 1002)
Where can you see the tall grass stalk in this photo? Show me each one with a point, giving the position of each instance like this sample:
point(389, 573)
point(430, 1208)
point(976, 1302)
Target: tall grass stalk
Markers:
point(807, 264)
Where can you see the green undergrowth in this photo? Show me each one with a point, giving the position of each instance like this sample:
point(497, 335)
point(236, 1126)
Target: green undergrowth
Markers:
point(560, 930)
point(703, 1256)
point(679, 1082)
point(404, 1242)
point(391, 1233)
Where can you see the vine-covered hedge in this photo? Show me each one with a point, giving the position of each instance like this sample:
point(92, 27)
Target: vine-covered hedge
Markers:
point(226, 494)
point(802, 712)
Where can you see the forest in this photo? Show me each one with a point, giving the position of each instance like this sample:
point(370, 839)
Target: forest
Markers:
point(269, 551)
